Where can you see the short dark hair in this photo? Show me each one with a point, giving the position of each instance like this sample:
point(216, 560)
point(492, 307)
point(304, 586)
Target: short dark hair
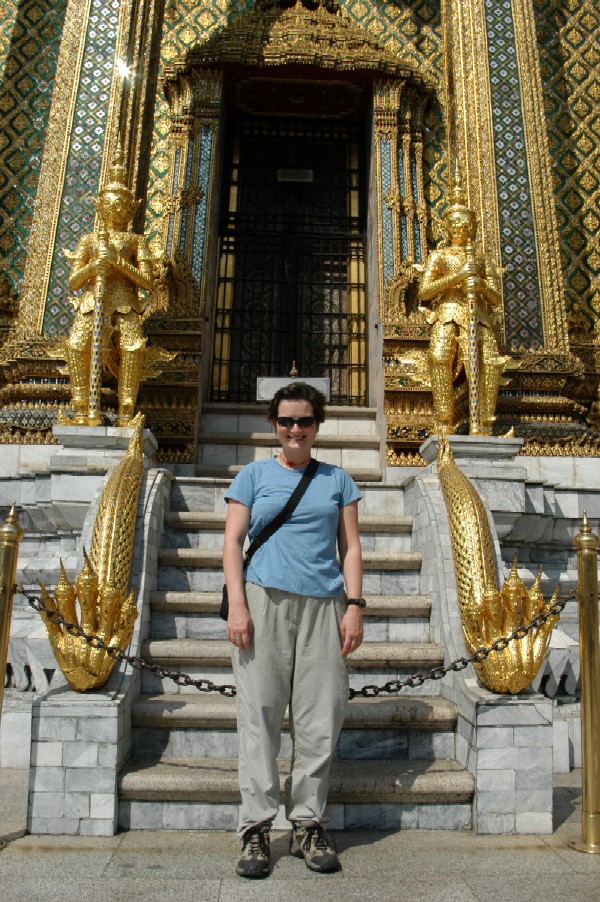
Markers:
point(298, 391)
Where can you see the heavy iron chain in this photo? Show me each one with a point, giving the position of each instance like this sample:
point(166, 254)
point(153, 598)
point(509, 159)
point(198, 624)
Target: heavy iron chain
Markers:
point(369, 691)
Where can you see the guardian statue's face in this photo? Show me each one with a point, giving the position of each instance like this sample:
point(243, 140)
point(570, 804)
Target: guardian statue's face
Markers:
point(115, 207)
point(460, 226)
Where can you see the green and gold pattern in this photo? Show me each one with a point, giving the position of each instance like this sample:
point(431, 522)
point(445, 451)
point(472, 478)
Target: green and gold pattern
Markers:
point(522, 304)
point(570, 61)
point(84, 160)
point(30, 34)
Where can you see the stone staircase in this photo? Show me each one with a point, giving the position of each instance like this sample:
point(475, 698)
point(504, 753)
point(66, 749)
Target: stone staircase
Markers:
point(394, 766)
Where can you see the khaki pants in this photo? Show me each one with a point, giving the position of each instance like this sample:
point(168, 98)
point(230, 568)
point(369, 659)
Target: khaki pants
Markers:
point(294, 658)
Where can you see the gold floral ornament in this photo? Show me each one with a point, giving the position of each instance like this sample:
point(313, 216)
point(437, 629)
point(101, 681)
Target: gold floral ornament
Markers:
point(106, 609)
point(487, 613)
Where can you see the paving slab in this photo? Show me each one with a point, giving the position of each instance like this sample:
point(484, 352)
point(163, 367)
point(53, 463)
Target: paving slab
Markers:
point(399, 866)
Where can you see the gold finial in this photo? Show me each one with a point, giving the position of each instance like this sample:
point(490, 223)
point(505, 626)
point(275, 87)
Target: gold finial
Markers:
point(116, 182)
point(12, 515)
point(457, 194)
point(293, 372)
point(11, 531)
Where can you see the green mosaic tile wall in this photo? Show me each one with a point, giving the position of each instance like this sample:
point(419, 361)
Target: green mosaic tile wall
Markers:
point(570, 58)
point(30, 33)
point(82, 171)
point(523, 322)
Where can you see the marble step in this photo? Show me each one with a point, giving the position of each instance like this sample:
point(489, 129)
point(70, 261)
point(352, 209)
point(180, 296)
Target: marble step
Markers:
point(209, 520)
point(183, 578)
point(393, 743)
point(204, 726)
point(392, 606)
point(197, 529)
point(199, 558)
point(359, 474)
point(215, 654)
point(238, 448)
point(218, 417)
point(215, 781)
point(206, 493)
point(194, 615)
point(210, 626)
point(213, 711)
point(267, 440)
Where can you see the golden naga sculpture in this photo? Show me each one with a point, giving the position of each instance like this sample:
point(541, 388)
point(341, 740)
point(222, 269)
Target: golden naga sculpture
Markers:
point(459, 294)
point(486, 611)
point(111, 264)
point(106, 609)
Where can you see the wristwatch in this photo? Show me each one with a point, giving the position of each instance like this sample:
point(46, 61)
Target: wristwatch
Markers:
point(359, 602)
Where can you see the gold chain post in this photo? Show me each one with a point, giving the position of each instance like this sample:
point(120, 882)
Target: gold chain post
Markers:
point(587, 572)
point(10, 536)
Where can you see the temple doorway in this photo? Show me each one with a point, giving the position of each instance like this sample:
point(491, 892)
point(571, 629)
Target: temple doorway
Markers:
point(292, 239)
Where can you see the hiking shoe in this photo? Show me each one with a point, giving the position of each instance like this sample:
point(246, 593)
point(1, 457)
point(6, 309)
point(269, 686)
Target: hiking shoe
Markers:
point(309, 842)
point(256, 848)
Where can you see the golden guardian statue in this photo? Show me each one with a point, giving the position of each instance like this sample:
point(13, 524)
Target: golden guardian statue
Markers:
point(111, 265)
point(459, 294)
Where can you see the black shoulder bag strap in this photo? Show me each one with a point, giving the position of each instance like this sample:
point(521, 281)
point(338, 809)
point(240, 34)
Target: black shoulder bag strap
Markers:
point(284, 514)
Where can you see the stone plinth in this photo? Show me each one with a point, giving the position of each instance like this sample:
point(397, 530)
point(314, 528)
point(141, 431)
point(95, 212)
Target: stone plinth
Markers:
point(78, 744)
point(88, 453)
point(490, 448)
point(508, 742)
point(97, 446)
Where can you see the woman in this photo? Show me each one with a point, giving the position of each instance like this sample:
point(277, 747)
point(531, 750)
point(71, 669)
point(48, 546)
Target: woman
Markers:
point(292, 626)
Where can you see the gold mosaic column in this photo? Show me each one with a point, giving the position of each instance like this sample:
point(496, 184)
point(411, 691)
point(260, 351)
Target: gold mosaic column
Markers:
point(540, 175)
point(195, 107)
point(468, 59)
point(468, 101)
point(401, 209)
point(386, 106)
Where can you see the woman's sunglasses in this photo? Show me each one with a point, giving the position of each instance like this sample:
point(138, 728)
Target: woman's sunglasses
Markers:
point(288, 422)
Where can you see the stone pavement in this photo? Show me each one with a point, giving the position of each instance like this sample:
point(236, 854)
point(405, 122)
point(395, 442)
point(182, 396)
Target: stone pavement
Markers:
point(411, 866)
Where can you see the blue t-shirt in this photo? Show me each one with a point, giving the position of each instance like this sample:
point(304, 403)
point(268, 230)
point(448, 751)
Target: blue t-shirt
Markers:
point(301, 557)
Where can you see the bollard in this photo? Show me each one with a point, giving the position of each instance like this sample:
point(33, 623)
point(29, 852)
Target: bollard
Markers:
point(10, 536)
point(587, 574)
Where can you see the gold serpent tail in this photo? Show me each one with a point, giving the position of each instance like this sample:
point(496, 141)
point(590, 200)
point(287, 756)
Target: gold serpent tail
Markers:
point(486, 611)
point(105, 607)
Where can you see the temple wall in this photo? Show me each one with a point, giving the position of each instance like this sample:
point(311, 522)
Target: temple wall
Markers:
point(30, 36)
point(522, 79)
point(567, 36)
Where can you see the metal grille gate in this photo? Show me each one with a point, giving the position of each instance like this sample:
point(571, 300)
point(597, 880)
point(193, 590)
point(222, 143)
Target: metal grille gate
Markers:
point(291, 281)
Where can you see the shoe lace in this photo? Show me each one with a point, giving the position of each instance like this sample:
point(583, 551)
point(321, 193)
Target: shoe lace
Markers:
point(314, 836)
point(255, 840)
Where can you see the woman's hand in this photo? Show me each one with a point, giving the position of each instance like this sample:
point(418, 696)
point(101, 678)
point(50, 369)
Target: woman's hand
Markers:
point(351, 629)
point(239, 626)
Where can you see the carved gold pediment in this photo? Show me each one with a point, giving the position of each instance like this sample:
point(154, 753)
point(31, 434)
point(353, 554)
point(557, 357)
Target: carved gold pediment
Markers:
point(304, 34)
